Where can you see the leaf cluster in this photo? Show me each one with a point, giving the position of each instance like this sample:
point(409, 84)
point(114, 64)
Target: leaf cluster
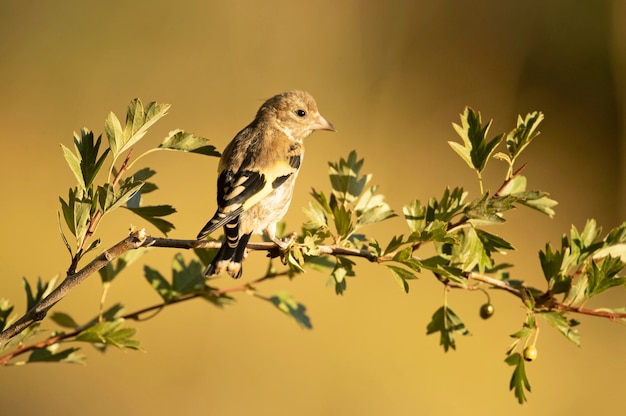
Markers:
point(87, 203)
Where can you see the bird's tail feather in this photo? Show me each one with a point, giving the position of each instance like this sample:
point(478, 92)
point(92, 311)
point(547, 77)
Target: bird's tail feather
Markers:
point(230, 255)
point(219, 219)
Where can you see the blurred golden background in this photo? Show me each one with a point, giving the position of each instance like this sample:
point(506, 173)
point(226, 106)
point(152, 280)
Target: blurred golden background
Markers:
point(392, 77)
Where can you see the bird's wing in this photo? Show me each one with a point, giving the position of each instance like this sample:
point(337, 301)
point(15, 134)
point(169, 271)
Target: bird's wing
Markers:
point(238, 191)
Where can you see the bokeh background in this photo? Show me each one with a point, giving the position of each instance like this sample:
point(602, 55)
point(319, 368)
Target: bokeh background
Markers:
point(392, 76)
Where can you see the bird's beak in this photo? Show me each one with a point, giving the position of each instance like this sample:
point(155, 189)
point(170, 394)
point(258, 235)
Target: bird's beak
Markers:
point(321, 123)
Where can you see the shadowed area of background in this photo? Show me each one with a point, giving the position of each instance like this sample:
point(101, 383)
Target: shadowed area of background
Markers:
point(391, 77)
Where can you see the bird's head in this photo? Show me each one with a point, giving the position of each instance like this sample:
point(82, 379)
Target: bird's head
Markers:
point(296, 111)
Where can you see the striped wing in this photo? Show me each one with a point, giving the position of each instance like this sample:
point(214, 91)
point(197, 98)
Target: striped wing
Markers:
point(239, 191)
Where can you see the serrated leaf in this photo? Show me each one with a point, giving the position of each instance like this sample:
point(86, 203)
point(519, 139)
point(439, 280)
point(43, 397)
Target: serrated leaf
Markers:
point(111, 197)
point(343, 269)
point(447, 323)
point(602, 275)
point(519, 382)
point(415, 215)
point(153, 213)
point(396, 242)
point(138, 121)
point(343, 220)
point(188, 142)
point(565, 326)
point(539, 201)
point(63, 319)
point(472, 252)
point(520, 137)
point(186, 278)
point(475, 150)
point(401, 275)
point(345, 180)
point(286, 304)
point(42, 290)
point(405, 257)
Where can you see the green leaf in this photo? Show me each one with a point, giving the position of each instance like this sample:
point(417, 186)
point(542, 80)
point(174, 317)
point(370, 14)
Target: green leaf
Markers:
point(401, 275)
point(472, 252)
point(539, 201)
point(519, 382)
point(343, 269)
point(139, 120)
point(113, 313)
point(67, 244)
point(345, 180)
point(159, 283)
point(153, 213)
point(74, 163)
point(51, 353)
point(395, 243)
point(64, 320)
point(440, 266)
point(5, 311)
point(617, 236)
point(186, 278)
point(562, 324)
point(285, 303)
point(188, 142)
point(447, 323)
point(110, 333)
point(85, 164)
point(552, 265)
point(450, 204)
point(111, 197)
point(142, 175)
point(415, 215)
point(205, 255)
point(519, 138)
point(114, 133)
point(372, 208)
point(42, 290)
point(492, 243)
point(475, 150)
point(602, 275)
point(317, 216)
point(343, 220)
point(405, 257)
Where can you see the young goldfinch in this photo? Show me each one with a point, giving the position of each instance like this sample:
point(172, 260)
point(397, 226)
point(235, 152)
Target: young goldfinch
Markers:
point(257, 174)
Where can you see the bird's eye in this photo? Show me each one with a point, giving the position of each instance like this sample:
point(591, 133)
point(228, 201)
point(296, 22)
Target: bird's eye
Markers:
point(300, 113)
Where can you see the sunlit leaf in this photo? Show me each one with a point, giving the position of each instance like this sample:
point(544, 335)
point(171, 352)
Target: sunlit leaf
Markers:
point(153, 215)
point(188, 142)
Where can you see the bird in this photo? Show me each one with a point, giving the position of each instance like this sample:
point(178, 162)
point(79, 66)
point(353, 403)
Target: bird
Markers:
point(256, 176)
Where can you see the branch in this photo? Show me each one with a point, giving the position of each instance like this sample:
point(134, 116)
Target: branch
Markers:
point(39, 311)
point(138, 239)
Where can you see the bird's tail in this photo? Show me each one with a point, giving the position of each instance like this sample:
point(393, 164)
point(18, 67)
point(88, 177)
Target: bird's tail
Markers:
point(230, 256)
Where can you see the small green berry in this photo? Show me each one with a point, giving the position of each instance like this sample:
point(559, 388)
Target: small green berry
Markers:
point(487, 310)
